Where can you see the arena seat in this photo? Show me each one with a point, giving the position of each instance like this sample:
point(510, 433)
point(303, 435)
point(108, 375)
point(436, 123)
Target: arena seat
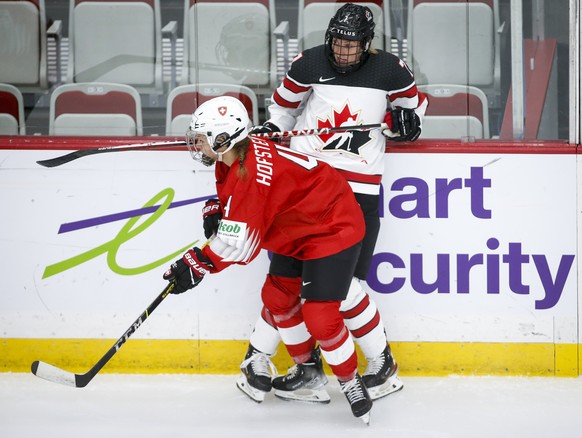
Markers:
point(116, 41)
point(232, 44)
point(455, 111)
point(23, 44)
point(94, 109)
point(183, 100)
point(11, 111)
point(455, 42)
point(314, 16)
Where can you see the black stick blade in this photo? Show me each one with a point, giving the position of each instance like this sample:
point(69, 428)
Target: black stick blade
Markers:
point(63, 159)
point(57, 161)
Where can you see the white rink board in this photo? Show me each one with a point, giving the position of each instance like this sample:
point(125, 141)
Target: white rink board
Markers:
point(531, 202)
point(531, 232)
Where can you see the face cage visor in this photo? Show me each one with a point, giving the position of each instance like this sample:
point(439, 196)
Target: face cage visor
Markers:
point(360, 53)
point(194, 142)
point(196, 139)
point(349, 52)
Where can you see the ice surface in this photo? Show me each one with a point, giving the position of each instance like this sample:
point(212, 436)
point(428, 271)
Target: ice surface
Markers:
point(210, 406)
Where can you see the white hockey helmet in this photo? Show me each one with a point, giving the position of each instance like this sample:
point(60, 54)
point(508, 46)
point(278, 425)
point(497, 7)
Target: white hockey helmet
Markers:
point(223, 121)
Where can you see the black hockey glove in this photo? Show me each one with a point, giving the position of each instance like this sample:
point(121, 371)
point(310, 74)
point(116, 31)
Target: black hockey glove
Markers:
point(188, 271)
point(266, 128)
point(211, 216)
point(403, 124)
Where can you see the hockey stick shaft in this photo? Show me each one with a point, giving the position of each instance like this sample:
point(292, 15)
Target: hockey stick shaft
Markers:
point(63, 159)
point(58, 375)
point(323, 131)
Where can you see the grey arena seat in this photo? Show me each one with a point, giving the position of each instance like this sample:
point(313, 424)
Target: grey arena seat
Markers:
point(183, 100)
point(455, 42)
point(455, 111)
point(314, 16)
point(116, 41)
point(24, 44)
point(95, 109)
point(11, 111)
point(230, 43)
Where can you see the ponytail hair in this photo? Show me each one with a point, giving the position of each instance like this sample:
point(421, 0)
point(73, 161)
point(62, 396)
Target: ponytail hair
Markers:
point(241, 149)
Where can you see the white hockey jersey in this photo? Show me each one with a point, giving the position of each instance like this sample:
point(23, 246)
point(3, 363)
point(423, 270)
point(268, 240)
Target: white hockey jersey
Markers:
point(314, 95)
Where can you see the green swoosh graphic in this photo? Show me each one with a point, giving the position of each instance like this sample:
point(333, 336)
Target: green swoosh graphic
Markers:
point(126, 233)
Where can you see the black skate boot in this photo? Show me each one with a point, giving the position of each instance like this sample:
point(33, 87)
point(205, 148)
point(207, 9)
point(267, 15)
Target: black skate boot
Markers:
point(358, 397)
point(256, 372)
point(304, 382)
point(381, 375)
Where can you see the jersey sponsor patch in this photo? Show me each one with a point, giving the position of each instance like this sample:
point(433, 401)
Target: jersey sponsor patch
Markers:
point(232, 230)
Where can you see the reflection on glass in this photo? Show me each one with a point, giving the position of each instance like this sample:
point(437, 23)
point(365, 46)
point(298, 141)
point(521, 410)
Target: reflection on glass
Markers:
point(462, 54)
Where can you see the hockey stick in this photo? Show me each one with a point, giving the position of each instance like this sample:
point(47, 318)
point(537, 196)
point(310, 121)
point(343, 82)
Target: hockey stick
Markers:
point(323, 131)
point(58, 375)
point(57, 161)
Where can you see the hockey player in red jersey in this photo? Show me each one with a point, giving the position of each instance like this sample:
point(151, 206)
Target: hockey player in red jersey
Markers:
point(342, 82)
point(293, 205)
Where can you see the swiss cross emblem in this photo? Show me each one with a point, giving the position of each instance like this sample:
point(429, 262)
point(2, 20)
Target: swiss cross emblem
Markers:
point(222, 110)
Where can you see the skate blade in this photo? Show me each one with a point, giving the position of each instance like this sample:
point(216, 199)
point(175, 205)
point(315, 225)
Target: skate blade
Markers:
point(254, 394)
point(305, 395)
point(366, 418)
point(392, 385)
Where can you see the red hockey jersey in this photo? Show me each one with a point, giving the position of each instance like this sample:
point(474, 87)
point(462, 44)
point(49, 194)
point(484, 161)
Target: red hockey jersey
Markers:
point(288, 203)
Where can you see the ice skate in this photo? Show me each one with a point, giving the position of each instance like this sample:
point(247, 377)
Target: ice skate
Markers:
point(256, 371)
point(381, 375)
point(358, 397)
point(304, 382)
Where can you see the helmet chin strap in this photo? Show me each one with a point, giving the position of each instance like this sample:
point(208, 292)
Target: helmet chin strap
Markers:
point(229, 143)
point(220, 155)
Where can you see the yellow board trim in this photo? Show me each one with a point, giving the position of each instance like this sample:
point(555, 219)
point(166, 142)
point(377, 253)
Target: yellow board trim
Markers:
point(224, 357)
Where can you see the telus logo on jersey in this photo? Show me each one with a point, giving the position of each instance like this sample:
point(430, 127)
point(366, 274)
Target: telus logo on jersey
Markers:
point(499, 268)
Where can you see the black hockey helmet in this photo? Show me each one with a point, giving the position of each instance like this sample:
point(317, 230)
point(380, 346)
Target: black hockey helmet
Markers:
point(354, 23)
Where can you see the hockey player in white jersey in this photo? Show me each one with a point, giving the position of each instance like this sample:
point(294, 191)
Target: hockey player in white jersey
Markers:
point(342, 82)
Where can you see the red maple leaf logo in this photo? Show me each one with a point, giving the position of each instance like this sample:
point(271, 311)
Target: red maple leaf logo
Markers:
point(344, 118)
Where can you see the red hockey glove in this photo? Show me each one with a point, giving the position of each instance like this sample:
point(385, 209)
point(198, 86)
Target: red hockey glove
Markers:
point(188, 271)
point(403, 125)
point(211, 216)
point(266, 128)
